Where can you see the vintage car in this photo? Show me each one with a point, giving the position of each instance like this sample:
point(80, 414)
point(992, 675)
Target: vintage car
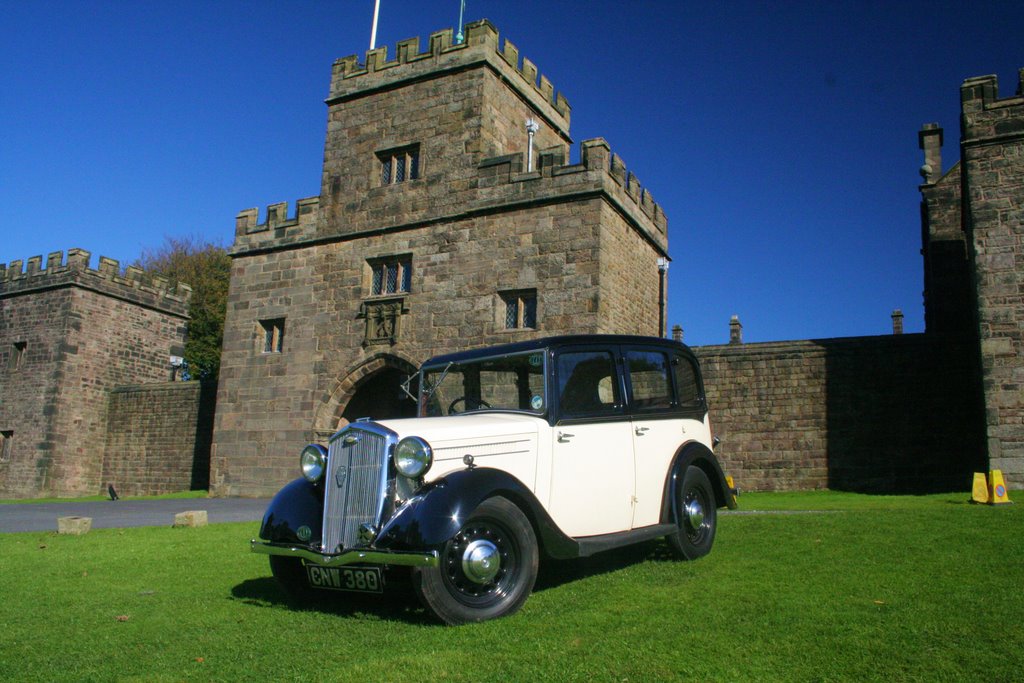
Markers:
point(561, 447)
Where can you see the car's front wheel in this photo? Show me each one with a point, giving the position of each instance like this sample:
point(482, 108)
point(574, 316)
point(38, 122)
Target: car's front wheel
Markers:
point(696, 516)
point(486, 571)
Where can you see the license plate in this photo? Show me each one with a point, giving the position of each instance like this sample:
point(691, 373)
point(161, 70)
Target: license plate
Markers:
point(359, 579)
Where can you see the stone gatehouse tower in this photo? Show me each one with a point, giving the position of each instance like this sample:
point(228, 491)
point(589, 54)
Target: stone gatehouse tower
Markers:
point(973, 231)
point(69, 335)
point(435, 230)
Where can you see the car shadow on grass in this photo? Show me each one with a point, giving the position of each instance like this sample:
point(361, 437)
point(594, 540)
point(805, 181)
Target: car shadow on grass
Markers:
point(397, 603)
point(554, 573)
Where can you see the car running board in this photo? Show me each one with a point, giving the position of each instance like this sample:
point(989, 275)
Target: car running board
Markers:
point(588, 545)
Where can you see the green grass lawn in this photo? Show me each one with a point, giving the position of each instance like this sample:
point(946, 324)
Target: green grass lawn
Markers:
point(871, 588)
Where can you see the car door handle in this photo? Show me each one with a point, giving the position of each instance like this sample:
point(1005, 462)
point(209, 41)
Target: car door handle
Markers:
point(563, 437)
point(640, 430)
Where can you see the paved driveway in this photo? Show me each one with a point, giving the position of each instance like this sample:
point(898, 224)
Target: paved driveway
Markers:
point(110, 514)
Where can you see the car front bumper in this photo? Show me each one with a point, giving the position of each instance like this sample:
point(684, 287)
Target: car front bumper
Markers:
point(355, 556)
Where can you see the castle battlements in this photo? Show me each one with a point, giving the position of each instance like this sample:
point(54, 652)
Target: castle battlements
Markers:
point(985, 115)
point(349, 76)
point(302, 221)
point(500, 182)
point(597, 159)
point(19, 277)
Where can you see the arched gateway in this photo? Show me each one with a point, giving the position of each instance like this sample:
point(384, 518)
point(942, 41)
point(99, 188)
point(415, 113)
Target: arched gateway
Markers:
point(373, 388)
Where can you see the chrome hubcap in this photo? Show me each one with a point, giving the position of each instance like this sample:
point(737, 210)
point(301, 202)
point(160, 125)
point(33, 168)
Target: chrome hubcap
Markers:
point(694, 513)
point(481, 561)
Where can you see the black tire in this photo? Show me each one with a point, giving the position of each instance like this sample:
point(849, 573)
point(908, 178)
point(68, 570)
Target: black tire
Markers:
point(696, 515)
point(291, 576)
point(499, 531)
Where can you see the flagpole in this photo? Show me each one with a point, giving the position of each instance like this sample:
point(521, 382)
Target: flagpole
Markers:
point(373, 31)
point(458, 36)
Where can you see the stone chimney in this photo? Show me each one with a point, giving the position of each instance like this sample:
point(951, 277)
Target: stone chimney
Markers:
point(897, 321)
point(929, 138)
point(735, 330)
point(677, 333)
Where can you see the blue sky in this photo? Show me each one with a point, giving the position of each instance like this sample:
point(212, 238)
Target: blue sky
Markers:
point(780, 138)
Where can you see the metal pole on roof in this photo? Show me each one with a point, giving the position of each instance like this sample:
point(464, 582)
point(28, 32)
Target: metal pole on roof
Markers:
point(373, 31)
point(462, 9)
point(531, 129)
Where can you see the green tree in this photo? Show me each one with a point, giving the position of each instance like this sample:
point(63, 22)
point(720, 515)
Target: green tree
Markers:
point(206, 267)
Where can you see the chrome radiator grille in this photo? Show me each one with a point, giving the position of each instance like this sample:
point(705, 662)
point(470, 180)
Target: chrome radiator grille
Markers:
point(355, 484)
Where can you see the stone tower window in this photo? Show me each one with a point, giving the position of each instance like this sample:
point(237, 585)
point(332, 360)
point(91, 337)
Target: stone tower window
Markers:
point(520, 309)
point(399, 165)
point(390, 275)
point(273, 335)
point(17, 353)
point(6, 439)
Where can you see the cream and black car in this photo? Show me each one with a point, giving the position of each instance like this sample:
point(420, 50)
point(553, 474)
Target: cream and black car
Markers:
point(559, 447)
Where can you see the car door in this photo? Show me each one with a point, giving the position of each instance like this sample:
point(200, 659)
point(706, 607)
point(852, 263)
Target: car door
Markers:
point(592, 472)
point(656, 424)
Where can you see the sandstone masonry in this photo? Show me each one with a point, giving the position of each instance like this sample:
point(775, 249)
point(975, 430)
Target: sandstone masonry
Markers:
point(68, 335)
point(979, 204)
point(158, 437)
point(431, 233)
point(872, 414)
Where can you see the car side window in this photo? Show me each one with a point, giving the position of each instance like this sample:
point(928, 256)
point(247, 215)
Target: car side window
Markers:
point(649, 379)
point(688, 387)
point(586, 384)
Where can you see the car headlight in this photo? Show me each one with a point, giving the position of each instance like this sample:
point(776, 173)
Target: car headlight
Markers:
point(313, 462)
point(413, 457)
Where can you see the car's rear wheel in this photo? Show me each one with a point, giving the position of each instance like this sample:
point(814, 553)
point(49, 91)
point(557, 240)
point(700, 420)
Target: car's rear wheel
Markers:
point(696, 516)
point(291, 576)
point(486, 571)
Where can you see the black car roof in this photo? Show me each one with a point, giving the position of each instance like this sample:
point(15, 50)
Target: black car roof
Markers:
point(553, 342)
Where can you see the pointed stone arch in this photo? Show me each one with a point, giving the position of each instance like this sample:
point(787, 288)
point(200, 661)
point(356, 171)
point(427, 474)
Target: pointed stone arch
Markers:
point(381, 367)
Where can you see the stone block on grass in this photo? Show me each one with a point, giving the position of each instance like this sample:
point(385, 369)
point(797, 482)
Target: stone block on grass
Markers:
point(75, 526)
point(191, 518)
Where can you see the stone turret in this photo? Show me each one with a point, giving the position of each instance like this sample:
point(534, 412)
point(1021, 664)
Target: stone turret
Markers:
point(992, 168)
point(69, 334)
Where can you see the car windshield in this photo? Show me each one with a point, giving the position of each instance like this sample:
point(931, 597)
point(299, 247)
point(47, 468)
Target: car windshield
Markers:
point(512, 382)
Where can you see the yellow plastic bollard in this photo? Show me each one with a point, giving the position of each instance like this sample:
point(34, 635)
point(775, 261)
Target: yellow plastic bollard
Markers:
point(979, 494)
point(997, 488)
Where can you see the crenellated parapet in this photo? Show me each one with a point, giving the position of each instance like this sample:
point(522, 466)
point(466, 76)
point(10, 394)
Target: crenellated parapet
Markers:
point(350, 77)
point(598, 170)
point(985, 115)
point(501, 184)
point(132, 284)
point(279, 224)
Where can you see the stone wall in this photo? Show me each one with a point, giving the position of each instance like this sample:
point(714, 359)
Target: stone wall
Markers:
point(992, 164)
point(874, 414)
point(68, 335)
point(152, 451)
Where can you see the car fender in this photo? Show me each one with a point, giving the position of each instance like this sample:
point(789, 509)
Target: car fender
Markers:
point(438, 510)
point(298, 504)
point(693, 453)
